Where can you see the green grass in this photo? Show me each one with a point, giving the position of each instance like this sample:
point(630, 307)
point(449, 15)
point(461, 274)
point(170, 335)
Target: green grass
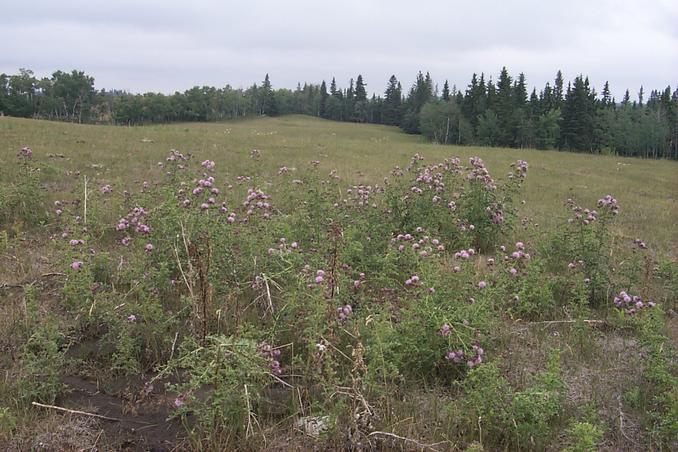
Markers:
point(42, 299)
point(646, 189)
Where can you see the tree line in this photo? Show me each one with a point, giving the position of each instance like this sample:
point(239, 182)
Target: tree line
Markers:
point(571, 117)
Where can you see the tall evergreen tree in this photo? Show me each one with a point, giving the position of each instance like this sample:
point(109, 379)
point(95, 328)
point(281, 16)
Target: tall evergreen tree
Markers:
point(420, 93)
point(504, 109)
point(606, 100)
point(392, 102)
point(558, 91)
point(577, 131)
point(360, 91)
point(627, 98)
point(268, 102)
point(323, 100)
point(446, 91)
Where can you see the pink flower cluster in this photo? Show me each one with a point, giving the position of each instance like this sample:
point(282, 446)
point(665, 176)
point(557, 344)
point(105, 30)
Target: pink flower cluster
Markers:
point(496, 213)
point(135, 219)
point(518, 257)
point(176, 156)
point(458, 356)
point(59, 210)
point(455, 356)
point(319, 276)
point(631, 304)
point(412, 281)
point(285, 169)
point(283, 247)
point(208, 165)
point(106, 189)
point(272, 354)
point(206, 193)
point(26, 152)
point(574, 264)
point(609, 202)
point(361, 194)
point(465, 254)
point(520, 169)
point(480, 173)
point(640, 244)
point(180, 400)
point(344, 312)
point(257, 199)
point(445, 330)
point(414, 161)
point(477, 358)
point(358, 282)
point(424, 245)
point(585, 216)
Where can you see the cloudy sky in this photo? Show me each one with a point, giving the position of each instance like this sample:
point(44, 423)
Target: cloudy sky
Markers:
point(162, 45)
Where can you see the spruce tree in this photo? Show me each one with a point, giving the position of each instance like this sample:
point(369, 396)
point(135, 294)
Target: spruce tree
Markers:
point(392, 102)
point(577, 132)
point(446, 92)
point(268, 103)
point(360, 91)
point(323, 100)
point(606, 100)
point(504, 109)
point(627, 98)
point(558, 91)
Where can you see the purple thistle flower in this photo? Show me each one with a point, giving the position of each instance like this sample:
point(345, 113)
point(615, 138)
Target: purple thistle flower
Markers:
point(179, 401)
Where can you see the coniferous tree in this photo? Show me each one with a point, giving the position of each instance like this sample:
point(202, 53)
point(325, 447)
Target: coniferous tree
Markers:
point(323, 100)
point(606, 100)
point(498, 115)
point(558, 91)
point(546, 99)
point(392, 102)
point(420, 93)
point(627, 98)
point(268, 103)
point(446, 92)
point(577, 131)
point(504, 109)
point(360, 109)
point(360, 91)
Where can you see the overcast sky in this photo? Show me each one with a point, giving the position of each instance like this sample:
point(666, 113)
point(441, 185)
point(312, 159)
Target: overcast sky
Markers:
point(143, 45)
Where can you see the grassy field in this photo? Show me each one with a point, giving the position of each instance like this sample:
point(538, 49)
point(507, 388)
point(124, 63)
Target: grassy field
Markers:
point(305, 310)
point(646, 189)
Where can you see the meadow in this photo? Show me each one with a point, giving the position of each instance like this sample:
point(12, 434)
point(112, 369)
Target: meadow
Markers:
point(296, 283)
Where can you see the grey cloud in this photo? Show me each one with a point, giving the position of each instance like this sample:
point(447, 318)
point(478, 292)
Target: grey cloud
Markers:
point(167, 46)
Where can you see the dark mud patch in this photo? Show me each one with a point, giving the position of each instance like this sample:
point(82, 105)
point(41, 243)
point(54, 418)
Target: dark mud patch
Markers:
point(141, 411)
